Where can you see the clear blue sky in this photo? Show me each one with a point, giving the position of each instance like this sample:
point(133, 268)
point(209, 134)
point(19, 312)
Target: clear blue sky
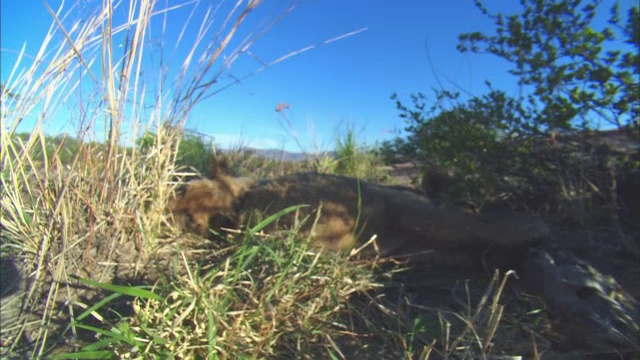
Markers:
point(346, 82)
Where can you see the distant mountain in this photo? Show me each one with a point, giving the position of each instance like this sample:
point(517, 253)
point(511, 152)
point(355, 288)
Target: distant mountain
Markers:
point(279, 154)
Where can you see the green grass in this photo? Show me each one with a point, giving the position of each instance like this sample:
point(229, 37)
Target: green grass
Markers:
point(273, 297)
point(270, 296)
point(356, 160)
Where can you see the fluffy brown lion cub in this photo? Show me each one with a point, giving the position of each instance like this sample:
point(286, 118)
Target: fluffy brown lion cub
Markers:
point(209, 203)
point(351, 212)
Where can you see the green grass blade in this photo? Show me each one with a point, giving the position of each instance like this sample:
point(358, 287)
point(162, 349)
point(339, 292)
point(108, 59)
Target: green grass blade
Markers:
point(97, 306)
point(266, 222)
point(104, 332)
point(121, 289)
point(104, 354)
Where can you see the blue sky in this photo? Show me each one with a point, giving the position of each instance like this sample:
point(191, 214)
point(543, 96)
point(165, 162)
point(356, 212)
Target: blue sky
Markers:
point(347, 82)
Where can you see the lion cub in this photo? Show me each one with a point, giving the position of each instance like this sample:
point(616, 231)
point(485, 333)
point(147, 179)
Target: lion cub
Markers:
point(351, 212)
point(204, 203)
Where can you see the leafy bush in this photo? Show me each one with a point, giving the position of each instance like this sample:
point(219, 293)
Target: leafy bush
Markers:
point(478, 141)
point(575, 74)
point(491, 143)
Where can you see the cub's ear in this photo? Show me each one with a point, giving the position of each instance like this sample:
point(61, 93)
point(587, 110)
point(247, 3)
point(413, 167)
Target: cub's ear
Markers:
point(437, 182)
point(217, 167)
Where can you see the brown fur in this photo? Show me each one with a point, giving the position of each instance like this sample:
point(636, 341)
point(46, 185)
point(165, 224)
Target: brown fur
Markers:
point(352, 211)
point(204, 203)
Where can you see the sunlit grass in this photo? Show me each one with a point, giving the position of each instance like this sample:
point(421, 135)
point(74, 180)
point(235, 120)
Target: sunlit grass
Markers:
point(100, 212)
point(355, 159)
point(267, 298)
point(274, 297)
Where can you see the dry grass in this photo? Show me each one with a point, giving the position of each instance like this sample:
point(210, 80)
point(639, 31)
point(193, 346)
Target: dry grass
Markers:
point(105, 206)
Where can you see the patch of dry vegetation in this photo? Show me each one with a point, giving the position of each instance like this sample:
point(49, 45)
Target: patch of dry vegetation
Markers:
point(99, 215)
